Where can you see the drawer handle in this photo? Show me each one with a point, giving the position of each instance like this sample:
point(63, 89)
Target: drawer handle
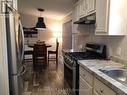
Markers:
point(102, 91)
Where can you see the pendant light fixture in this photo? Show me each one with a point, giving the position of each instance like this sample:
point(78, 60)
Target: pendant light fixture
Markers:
point(40, 25)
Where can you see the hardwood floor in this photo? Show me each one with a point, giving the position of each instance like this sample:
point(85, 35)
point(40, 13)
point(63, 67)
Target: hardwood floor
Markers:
point(51, 81)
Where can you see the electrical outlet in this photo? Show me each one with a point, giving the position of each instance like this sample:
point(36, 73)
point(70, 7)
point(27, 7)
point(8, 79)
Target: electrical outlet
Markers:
point(119, 51)
point(80, 47)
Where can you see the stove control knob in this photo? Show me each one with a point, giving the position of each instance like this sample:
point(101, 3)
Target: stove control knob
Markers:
point(74, 63)
point(71, 62)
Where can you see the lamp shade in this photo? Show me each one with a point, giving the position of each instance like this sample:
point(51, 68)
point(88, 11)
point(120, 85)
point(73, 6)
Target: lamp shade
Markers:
point(40, 24)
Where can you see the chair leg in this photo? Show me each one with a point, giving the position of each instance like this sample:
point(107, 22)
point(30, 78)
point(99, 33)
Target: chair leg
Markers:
point(35, 79)
point(48, 59)
point(56, 62)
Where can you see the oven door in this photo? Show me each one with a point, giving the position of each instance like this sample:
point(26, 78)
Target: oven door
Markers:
point(70, 78)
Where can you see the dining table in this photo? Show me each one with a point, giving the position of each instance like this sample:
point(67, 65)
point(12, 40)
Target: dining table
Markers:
point(32, 45)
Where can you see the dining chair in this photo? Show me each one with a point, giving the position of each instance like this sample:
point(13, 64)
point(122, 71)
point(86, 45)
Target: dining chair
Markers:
point(39, 57)
point(39, 61)
point(54, 52)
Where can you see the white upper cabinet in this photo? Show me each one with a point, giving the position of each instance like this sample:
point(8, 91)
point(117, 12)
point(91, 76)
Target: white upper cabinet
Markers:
point(111, 17)
point(101, 16)
point(90, 5)
point(83, 8)
point(76, 12)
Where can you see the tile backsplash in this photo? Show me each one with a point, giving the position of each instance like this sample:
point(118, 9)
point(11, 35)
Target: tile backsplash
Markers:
point(116, 45)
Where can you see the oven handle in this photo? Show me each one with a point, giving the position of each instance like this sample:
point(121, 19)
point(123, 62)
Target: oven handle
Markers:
point(68, 66)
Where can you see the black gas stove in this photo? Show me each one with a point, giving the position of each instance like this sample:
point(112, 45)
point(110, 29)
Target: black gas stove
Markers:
point(71, 67)
point(84, 55)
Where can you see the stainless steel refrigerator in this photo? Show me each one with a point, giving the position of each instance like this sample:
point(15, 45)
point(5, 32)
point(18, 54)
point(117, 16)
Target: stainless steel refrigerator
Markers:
point(15, 50)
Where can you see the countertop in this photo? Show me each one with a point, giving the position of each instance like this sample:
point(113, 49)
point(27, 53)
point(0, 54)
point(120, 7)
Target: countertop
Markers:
point(92, 66)
point(70, 50)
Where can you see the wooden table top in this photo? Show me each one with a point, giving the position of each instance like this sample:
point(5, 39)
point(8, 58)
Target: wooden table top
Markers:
point(32, 45)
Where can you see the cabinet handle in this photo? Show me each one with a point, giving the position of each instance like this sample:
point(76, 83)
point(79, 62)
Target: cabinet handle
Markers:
point(102, 91)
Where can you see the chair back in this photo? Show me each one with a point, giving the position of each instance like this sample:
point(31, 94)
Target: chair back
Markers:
point(39, 50)
point(39, 56)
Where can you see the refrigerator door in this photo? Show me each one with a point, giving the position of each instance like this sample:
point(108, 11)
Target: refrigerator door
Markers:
point(15, 44)
point(19, 35)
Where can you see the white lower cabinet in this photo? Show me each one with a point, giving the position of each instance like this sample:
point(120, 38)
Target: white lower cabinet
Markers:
point(102, 89)
point(88, 77)
point(86, 82)
point(90, 85)
point(85, 88)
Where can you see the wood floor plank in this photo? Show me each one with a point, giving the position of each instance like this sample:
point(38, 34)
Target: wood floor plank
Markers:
point(51, 81)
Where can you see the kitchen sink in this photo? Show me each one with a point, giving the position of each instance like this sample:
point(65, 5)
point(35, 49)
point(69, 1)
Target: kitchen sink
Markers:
point(117, 74)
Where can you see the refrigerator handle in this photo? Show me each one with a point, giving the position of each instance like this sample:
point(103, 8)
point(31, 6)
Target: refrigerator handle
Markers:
point(23, 46)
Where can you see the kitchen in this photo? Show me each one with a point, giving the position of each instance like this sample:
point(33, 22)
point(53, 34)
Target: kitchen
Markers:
point(102, 22)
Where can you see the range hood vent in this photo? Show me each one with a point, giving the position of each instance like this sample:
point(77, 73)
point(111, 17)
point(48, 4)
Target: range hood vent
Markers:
point(91, 19)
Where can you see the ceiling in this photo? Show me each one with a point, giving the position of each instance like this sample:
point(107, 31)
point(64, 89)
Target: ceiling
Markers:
point(55, 9)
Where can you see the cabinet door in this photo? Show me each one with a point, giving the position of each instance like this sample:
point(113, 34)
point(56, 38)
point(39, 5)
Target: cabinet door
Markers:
point(84, 88)
point(102, 89)
point(102, 16)
point(118, 17)
point(76, 12)
point(90, 6)
point(88, 77)
point(82, 8)
point(95, 93)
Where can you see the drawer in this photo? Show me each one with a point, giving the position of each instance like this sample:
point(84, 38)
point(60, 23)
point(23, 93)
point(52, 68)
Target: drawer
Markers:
point(88, 77)
point(102, 89)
